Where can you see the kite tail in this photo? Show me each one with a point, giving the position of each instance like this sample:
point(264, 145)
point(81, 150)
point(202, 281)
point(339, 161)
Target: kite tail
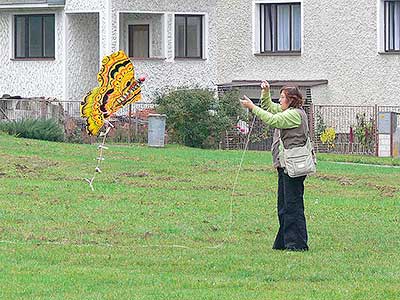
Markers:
point(100, 156)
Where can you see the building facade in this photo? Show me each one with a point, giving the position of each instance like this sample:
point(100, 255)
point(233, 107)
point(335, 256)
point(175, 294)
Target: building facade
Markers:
point(339, 52)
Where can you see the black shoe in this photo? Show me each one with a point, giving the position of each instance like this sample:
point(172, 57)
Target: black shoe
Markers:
point(297, 249)
point(278, 248)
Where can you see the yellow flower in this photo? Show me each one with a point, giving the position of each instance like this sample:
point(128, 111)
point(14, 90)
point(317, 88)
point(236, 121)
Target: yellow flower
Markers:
point(328, 137)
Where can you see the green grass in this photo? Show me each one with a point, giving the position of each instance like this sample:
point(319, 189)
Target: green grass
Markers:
point(60, 240)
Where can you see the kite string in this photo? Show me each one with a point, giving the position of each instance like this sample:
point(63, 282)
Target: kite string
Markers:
point(231, 201)
point(100, 158)
point(237, 176)
point(235, 184)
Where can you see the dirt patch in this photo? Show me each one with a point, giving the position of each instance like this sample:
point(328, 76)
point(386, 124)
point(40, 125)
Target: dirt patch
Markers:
point(135, 174)
point(22, 168)
point(260, 169)
point(385, 190)
point(144, 185)
point(174, 179)
point(26, 166)
point(342, 180)
point(210, 188)
point(132, 158)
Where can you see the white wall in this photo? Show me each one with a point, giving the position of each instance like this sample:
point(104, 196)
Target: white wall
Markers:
point(30, 78)
point(155, 22)
point(87, 5)
point(163, 74)
point(339, 44)
point(82, 59)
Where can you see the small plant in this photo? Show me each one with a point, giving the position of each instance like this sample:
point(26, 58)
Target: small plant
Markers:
point(320, 125)
point(364, 131)
point(328, 137)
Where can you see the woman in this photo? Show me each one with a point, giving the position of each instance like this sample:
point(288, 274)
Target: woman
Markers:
point(291, 125)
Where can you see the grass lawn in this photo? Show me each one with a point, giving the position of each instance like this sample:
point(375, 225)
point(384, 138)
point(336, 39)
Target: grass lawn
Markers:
point(148, 230)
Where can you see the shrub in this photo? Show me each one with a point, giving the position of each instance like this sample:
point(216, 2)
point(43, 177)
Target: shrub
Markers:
point(39, 129)
point(196, 118)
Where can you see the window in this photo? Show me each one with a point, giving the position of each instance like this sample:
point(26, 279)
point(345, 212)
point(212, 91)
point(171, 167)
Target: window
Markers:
point(392, 25)
point(280, 27)
point(188, 36)
point(139, 37)
point(34, 36)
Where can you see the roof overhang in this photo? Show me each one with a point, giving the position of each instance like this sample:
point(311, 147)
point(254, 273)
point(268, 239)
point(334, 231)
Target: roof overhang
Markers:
point(7, 4)
point(280, 83)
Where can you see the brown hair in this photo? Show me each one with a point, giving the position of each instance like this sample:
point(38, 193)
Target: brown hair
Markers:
point(293, 95)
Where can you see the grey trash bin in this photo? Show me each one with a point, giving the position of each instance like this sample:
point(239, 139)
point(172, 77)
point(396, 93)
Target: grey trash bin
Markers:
point(156, 130)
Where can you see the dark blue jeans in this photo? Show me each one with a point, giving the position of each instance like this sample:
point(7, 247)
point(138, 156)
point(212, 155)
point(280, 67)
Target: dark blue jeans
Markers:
point(292, 233)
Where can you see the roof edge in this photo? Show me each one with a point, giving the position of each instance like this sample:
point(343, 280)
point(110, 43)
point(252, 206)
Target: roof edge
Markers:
point(33, 4)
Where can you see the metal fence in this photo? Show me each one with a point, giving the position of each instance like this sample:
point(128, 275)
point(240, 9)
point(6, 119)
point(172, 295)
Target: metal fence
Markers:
point(33, 108)
point(236, 138)
point(355, 127)
point(131, 121)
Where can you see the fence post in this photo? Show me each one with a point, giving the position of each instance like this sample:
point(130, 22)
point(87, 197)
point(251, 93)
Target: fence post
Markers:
point(129, 123)
point(311, 122)
point(136, 121)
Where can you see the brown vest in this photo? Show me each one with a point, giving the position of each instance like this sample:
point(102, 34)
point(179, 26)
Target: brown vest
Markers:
point(293, 137)
point(296, 137)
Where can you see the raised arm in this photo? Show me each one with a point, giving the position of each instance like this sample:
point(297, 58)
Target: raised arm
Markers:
point(266, 101)
point(289, 118)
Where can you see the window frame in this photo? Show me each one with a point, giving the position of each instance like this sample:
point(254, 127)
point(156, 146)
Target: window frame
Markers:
point(274, 42)
point(202, 36)
point(388, 27)
point(148, 40)
point(26, 23)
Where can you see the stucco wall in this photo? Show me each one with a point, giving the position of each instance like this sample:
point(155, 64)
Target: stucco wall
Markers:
point(84, 6)
point(163, 74)
point(339, 44)
point(156, 27)
point(31, 78)
point(82, 62)
point(99, 6)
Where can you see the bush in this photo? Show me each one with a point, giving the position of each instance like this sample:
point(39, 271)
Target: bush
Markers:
point(40, 129)
point(196, 118)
